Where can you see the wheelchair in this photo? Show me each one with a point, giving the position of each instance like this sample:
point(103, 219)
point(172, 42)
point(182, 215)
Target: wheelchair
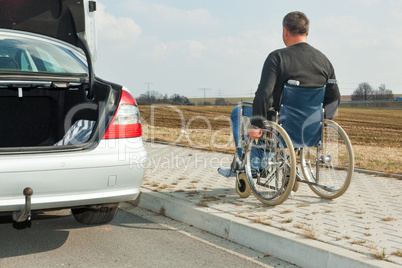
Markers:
point(300, 146)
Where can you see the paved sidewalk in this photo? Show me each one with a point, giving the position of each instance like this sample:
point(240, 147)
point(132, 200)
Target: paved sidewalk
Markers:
point(357, 229)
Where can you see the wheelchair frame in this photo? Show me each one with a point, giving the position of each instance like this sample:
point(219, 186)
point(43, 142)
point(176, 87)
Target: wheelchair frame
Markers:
point(327, 168)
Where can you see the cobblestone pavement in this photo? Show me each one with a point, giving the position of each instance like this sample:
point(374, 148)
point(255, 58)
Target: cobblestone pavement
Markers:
point(366, 219)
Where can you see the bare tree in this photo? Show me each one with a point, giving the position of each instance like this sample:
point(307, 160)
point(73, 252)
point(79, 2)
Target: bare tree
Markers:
point(149, 98)
point(383, 93)
point(221, 101)
point(363, 92)
point(179, 100)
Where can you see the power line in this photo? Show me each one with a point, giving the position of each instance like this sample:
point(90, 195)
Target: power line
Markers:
point(205, 89)
point(148, 83)
point(219, 92)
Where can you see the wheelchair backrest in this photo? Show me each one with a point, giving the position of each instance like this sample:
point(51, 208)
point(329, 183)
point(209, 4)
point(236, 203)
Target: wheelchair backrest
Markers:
point(301, 114)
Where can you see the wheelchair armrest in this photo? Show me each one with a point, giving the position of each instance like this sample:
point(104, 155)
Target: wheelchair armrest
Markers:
point(247, 104)
point(333, 81)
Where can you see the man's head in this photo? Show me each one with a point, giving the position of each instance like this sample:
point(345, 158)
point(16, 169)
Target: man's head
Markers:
point(295, 28)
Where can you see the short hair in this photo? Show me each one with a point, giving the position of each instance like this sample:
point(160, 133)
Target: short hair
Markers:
point(296, 23)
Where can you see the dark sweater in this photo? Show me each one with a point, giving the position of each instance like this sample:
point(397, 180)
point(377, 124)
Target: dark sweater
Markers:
point(299, 62)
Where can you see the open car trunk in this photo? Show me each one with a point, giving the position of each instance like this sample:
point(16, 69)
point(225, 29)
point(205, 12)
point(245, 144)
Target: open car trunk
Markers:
point(32, 117)
point(48, 89)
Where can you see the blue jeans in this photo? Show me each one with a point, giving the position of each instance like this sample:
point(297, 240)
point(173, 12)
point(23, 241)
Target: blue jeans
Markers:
point(235, 117)
point(256, 154)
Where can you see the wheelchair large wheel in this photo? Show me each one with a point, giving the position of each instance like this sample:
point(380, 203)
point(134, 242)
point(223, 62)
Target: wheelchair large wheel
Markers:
point(270, 165)
point(330, 165)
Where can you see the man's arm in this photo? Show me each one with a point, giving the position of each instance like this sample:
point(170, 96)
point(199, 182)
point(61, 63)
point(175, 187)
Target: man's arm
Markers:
point(332, 96)
point(263, 99)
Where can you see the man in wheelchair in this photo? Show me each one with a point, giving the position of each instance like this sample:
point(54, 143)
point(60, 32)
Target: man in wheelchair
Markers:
point(299, 62)
point(296, 64)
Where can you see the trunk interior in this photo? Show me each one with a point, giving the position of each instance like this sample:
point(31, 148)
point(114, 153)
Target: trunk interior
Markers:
point(42, 116)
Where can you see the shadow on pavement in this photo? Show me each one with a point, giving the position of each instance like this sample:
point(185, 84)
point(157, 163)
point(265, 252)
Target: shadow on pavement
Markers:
point(50, 230)
point(43, 233)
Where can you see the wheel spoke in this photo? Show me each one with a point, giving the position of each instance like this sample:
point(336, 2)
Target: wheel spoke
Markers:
point(270, 165)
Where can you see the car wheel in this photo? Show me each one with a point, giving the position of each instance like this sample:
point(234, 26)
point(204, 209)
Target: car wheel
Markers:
point(95, 215)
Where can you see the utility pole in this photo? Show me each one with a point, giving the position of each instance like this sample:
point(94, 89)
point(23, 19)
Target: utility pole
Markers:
point(205, 89)
point(148, 83)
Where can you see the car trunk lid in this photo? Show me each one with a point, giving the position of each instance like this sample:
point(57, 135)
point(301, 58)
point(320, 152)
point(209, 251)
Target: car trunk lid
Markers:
point(61, 19)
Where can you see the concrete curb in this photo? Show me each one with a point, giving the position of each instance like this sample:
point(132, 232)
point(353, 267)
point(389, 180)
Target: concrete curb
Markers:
point(284, 245)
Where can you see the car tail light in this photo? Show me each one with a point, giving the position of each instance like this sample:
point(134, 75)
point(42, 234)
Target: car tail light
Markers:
point(126, 122)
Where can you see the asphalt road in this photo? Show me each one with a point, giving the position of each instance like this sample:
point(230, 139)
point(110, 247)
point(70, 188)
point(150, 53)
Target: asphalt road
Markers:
point(135, 238)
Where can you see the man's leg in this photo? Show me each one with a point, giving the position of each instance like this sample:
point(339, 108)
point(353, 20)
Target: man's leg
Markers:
point(235, 118)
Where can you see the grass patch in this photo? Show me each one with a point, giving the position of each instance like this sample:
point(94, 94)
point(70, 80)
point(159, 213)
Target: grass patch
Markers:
point(397, 253)
point(388, 219)
point(358, 242)
point(163, 186)
point(302, 205)
point(298, 225)
point(288, 220)
point(193, 193)
point(202, 204)
point(286, 211)
point(262, 221)
point(380, 255)
point(329, 211)
point(210, 198)
point(309, 232)
point(162, 212)
point(179, 191)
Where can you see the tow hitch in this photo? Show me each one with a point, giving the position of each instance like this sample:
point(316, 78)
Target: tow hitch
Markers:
point(25, 213)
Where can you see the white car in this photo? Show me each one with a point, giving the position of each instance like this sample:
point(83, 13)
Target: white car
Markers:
point(68, 139)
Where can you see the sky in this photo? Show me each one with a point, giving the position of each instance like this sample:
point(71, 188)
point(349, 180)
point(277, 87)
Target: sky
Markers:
point(216, 48)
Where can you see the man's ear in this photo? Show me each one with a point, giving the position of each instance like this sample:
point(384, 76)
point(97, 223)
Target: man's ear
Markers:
point(285, 31)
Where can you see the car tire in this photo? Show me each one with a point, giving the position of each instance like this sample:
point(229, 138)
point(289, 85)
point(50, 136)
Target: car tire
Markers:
point(95, 215)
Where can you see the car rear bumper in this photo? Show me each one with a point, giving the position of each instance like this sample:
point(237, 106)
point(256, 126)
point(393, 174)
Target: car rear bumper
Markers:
point(110, 173)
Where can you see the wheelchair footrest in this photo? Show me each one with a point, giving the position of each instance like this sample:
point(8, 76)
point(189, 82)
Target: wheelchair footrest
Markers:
point(227, 172)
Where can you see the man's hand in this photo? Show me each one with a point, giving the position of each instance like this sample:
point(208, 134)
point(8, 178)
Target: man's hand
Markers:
point(255, 133)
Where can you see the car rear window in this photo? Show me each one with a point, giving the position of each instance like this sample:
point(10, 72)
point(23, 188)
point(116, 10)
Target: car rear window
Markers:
point(19, 53)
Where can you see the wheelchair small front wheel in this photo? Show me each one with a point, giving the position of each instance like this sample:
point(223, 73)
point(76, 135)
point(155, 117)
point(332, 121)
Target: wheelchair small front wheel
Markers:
point(242, 187)
point(331, 165)
point(270, 165)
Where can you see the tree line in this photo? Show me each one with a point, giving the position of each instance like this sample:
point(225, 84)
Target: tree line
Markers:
point(152, 97)
point(365, 91)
